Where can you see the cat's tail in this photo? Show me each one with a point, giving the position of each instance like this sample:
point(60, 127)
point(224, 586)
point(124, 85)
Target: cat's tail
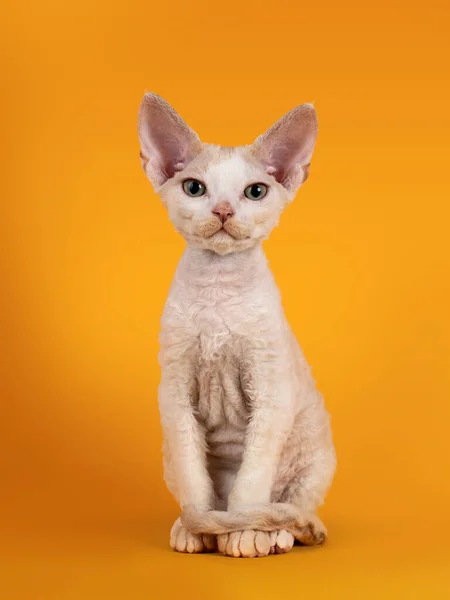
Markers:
point(264, 517)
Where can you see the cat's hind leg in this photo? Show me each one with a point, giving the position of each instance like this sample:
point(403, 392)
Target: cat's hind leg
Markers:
point(314, 533)
point(306, 491)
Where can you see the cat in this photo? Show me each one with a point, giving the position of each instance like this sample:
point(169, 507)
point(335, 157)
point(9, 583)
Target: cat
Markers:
point(248, 450)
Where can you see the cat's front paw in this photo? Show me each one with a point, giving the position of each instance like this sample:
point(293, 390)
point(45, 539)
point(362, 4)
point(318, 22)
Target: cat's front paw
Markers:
point(281, 541)
point(182, 540)
point(252, 544)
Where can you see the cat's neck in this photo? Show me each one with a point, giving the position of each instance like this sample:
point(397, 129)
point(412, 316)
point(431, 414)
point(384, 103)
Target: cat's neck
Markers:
point(237, 270)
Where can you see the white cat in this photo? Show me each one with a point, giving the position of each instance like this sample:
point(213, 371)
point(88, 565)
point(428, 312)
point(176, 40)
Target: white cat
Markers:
point(248, 452)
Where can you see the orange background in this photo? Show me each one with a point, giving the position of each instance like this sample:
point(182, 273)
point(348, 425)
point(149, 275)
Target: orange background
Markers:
point(362, 258)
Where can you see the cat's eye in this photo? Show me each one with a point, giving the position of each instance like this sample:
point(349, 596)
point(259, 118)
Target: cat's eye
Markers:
point(256, 191)
point(194, 188)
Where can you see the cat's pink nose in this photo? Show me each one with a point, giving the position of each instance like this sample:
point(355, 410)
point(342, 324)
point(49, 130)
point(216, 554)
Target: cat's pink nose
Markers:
point(223, 210)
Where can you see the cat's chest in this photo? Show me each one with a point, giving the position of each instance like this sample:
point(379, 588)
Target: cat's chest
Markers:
point(220, 397)
point(216, 332)
point(216, 329)
point(218, 365)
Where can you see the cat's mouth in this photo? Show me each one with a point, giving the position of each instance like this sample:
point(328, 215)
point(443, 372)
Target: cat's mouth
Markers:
point(223, 231)
point(219, 231)
point(231, 229)
point(234, 230)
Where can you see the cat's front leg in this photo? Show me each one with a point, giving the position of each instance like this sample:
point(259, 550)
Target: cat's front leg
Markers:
point(270, 397)
point(185, 441)
point(269, 424)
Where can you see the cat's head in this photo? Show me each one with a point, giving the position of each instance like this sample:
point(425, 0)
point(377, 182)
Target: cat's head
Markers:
point(219, 198)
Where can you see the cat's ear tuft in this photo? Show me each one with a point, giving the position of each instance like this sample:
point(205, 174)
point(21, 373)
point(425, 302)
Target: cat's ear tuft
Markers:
point(286, 148)
point(167, 143)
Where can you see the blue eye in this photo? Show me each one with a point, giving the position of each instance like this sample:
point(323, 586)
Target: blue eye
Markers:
point(256, 191)
point(194, 188)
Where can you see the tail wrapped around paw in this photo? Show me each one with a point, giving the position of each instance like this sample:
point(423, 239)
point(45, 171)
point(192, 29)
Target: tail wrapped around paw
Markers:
point(263, 517)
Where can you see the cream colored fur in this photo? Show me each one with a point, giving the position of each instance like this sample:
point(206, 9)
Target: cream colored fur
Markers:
point(248, 451)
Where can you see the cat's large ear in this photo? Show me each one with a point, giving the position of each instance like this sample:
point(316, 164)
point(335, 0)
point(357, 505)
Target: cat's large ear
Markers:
point(167, 143)
point(286, 148)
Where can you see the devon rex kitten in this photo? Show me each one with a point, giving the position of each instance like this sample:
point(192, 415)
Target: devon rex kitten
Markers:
point(248, 452)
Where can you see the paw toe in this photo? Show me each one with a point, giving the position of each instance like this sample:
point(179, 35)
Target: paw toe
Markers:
point(247, 544)
point(233, 544)
point(262, 543)
point(222, 541)
point(284, 541)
